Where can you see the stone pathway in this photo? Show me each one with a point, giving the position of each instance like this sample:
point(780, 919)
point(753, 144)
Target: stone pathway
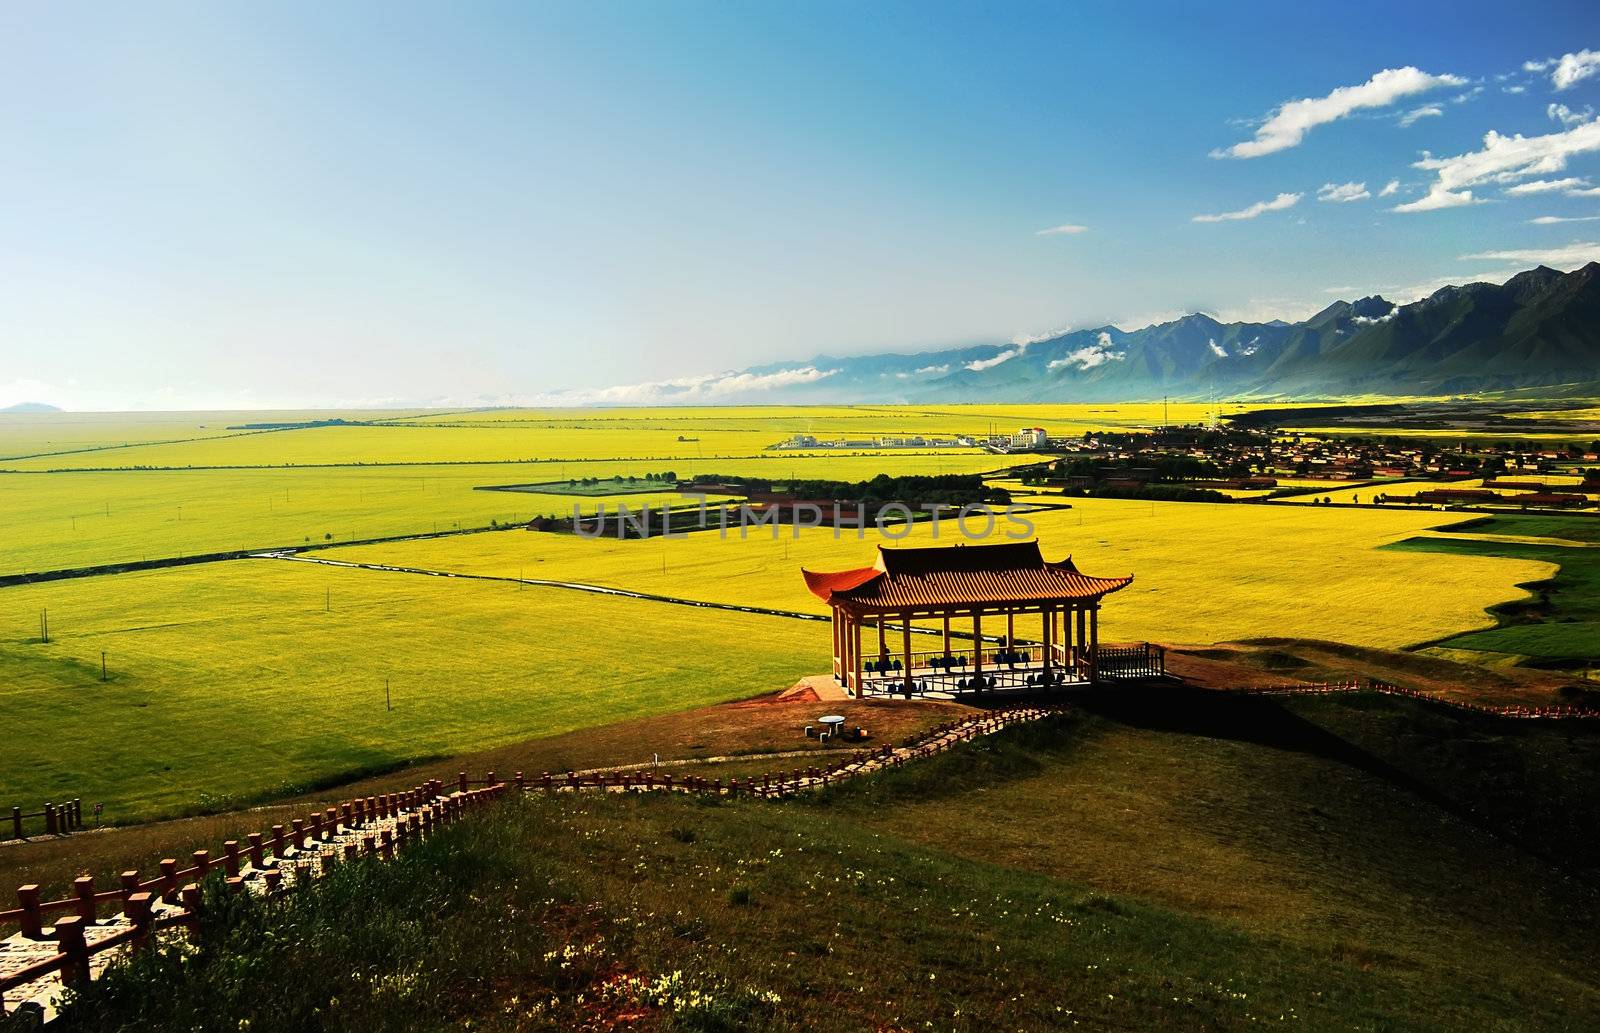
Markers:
point(379, 829)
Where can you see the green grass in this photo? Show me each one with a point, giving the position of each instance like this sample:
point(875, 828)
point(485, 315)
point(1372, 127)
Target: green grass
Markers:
point(1064, 875)
point(1571, 529)
point(232, 682)
point(1560, 624)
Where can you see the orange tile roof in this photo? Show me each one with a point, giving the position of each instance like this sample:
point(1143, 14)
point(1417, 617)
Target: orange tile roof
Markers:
point(961, 575)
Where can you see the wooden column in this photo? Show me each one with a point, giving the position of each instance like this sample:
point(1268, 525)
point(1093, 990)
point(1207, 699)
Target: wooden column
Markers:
point(1011, 627)
point(1080, 640)
point(1094, 643)
point(1047, 618)
point(883, 648)
point(947, 635)
point(838, 658)
point(855, 650)
point(905, 648)
point(977, 642)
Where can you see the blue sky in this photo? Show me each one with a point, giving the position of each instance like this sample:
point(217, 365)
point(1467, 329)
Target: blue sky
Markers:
point(217, 205)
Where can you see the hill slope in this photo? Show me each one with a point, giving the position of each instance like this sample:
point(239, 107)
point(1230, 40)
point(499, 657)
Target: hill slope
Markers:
point(1151, 862)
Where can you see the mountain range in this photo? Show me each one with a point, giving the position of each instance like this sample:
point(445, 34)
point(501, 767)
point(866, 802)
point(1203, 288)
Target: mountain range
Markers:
point(1539, 329)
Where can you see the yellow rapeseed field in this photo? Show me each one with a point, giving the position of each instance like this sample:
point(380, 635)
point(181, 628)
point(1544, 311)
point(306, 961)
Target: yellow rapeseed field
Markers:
point(1205, 572)
point(238, 680)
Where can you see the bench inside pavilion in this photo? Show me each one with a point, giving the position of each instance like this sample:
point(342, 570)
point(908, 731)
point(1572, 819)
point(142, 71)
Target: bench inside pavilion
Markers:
point(1001, 591)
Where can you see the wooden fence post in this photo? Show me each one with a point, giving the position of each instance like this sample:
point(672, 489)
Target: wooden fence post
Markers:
point(75, 965)
point(230, 858)
point(191, 905)
point(130, 886)
point(258, 856)
point(31, 921)
point(202, 864)
point(16, 822)
point(49, 819)
point(139, 913)
point(169, 880)
point(83, 887)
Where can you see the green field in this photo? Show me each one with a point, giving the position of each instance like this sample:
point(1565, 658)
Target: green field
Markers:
point(229, 683)
point(65, 520)
point(1561, 624)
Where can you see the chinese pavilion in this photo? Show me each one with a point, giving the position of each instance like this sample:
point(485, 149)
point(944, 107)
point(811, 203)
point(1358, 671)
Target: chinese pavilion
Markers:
point(1004, 582)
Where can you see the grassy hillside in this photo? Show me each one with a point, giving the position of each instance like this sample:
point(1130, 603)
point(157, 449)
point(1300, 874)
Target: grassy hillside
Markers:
point(1149, 863)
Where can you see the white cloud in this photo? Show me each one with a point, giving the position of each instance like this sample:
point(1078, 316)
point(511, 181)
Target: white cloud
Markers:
point(1546, 186)
point(979, 365)
point(1553, 220)
point(1416, 115)
point(1538, 66)
point(1518, 88)
point(1390, 188)
point(1278, 203)
point(1216, 349)
point(1023, 340)
point(1251, 348)
point(1369, 320)
point(941, 368)
point(1584, 192)
point(684, 389)
point(1066, 229)
point(1090, 355)
point(1462, 98)
point(1574, 68)
point(1568, 256)
point(1502, 159)
point(1288, 125)
point(1343, 192)
point(1435, 199)
point(1567, 117)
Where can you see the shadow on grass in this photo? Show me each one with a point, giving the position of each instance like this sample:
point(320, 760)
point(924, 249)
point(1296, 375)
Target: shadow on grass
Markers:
point(1269, 723)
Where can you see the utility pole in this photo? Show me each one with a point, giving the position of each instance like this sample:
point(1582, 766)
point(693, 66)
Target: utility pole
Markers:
point(327, 600)
point(102, 665)
point(387, 705)
point(44, 625)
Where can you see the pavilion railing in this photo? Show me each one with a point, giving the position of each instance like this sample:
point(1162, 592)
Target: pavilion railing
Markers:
point(1020, 667)
point(958, 659)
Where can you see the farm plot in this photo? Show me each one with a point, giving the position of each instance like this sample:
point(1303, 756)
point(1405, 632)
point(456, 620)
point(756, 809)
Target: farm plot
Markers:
point(61, 520)
point(236, 681)
point(1203, 572)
